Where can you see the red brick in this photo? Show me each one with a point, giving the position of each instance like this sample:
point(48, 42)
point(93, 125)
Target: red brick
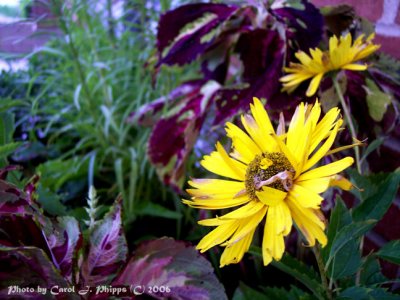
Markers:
point(389, 45)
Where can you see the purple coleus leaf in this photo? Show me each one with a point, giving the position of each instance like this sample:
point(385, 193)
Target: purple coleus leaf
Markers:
point(304, 24)
point(28, 267)
point(262, 53)
point(186, 32)
point(64, 238)
point(12, 200)
point(175, 133)
point(107, 249)
point(176, 269)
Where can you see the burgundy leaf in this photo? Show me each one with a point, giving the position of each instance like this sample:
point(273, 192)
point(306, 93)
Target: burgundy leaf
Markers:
point(28, 267)
point(22, 230)
point(4, 171)
point(12, 200)
point(107, 249)
point(185, 28)
point(150, 113)
point(174, 135)
point(261, 51)
point(64, 239)
point(177, 267)
point(304, 27)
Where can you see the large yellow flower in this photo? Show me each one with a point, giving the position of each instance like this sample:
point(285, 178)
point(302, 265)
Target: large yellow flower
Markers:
point(271, 177)
point(342, 54)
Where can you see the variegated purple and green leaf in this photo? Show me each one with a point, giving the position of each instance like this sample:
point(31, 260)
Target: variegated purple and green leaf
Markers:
point(107, 249)
point(177, 267)
point(175, 132)
point(242, 48)
point(27, 267)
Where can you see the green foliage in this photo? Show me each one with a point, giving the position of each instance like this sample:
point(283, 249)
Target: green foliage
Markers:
point(87, 83)
point(390, 252)
point(377, 101)
point(378, 201)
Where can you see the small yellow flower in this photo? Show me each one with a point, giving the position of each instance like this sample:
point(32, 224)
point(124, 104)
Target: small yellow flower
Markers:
point(271, 177)
point(341, 55)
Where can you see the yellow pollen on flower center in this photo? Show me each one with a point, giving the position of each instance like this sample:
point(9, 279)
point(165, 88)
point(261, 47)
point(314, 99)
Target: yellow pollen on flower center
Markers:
point(271, 169)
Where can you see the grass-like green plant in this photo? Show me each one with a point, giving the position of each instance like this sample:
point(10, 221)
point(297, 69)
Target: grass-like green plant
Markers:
point(92, 77)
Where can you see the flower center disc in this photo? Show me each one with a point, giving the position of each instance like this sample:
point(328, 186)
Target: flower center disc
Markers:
point(271, 169)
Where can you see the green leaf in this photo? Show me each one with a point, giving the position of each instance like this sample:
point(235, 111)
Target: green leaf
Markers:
point(371, 147)
point(7, 125)
point(365, 293)
point(371, 272)
point(298, 270)
point(6, 150)
point(244, 292)
point(294, 293)
point(10, 103)
point(390, 252)
point(340, 216)
point(368, 185)
point(50, 202)
point(345, 235)
point(156, 210)
point(356, 293)
point(375, 206)
point(377, 101)
point(348, 260)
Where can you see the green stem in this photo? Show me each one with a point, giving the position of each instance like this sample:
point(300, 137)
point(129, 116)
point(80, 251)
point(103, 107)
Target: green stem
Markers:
point(322, 272)
point(349, 121)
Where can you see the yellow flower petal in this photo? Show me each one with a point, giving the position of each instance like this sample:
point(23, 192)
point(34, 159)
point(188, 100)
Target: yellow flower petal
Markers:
point(317, 185)
point(321, 152)
point(355, 67)
point(341, 182)
point(342, 54)
point(234, 253)
point(305, 197)
point(327, 170)
point(242, 143)
point(220, 203)
point(217, 236)
point(314, 84)
point(270, 196)
point(220, 163)
point(246, 225)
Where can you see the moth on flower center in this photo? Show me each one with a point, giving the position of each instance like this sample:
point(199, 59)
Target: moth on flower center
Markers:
point(271, 169)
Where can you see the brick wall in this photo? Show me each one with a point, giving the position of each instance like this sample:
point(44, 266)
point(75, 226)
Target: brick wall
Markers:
point(384, 13)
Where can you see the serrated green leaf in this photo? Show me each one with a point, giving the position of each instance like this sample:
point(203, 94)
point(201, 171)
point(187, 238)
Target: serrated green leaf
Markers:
point(368, 185)
point(244, 292)
point(347, 234)
point(390, 252)
point(366, 293)
point(375, 206)
point(340, 216)
point(293, 293)
point(371, 272)
point(377, 101)
point(356, 293)
point(298, 270)
point(346, 261)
